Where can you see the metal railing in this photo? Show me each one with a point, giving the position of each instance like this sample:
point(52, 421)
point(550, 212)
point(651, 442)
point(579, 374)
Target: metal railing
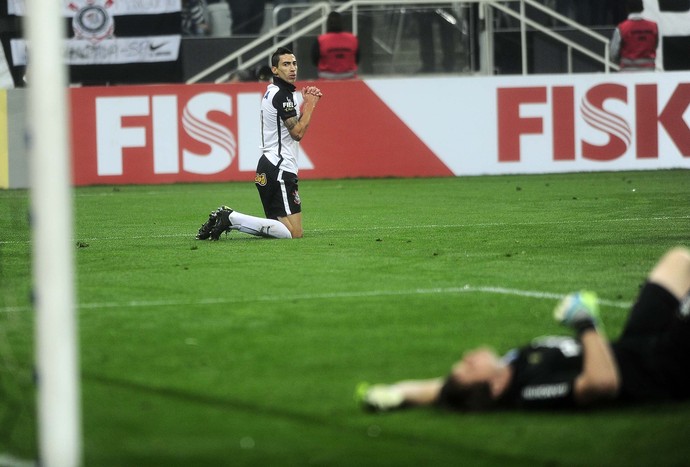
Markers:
point(571, 45)
point(322, 7)
point(486, 40)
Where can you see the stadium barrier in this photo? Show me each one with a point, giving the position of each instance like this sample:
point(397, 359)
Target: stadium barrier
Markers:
point(413, 127)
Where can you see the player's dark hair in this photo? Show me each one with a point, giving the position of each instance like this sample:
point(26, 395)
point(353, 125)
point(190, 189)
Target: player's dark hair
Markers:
point(334, 22)
point(634, 6)
point(275, 58)
point(475, 397)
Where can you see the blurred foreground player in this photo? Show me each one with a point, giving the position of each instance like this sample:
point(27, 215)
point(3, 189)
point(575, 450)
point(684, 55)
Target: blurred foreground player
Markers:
point(650, 362)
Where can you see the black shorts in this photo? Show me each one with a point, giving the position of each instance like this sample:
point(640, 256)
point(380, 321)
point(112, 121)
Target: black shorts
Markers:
point(278, 190)
point(653, 352)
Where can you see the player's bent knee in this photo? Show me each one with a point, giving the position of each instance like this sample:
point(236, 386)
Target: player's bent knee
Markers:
point(283, 233)
point(681, 254)
point(677, 258)
point(673, 271)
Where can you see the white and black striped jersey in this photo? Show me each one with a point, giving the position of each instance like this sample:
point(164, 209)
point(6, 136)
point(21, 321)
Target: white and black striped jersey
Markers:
point(278, 104)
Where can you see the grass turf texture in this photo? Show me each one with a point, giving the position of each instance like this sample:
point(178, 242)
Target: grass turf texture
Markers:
point(246, 351)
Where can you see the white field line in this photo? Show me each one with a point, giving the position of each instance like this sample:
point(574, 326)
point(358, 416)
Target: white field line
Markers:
point(7, 460)
point(328, 296)
point(192, 231)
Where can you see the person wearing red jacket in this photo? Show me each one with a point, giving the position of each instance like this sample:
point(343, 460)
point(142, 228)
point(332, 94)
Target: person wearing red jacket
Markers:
point(336, 53)
point(635, 40)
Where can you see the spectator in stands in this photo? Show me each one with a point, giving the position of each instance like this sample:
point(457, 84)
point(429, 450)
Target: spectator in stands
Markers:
point(365, 34)
point(635, 40)
point(336, 53)
point(195, 18)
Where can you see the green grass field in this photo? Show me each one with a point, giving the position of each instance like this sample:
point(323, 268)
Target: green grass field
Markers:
point(247, 351)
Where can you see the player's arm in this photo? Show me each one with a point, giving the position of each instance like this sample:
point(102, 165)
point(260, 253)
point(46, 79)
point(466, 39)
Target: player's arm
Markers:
point(385, 397)
point(298, 126)
point(599, 378)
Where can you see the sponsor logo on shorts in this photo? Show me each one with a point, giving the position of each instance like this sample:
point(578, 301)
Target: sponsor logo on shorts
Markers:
point(260, 179)
point(295, 194)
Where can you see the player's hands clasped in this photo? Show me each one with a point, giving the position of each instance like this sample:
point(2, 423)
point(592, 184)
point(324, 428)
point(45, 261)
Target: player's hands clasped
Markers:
point(311, 94)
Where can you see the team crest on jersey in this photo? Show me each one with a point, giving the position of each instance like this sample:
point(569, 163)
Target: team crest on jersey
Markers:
point(260, 179)
point(92, 20)
point(534, 358)
point(296, 198)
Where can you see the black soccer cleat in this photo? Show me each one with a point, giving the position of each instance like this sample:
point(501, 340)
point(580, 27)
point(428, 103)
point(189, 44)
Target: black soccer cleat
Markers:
point(205, 230)
point(222, 224)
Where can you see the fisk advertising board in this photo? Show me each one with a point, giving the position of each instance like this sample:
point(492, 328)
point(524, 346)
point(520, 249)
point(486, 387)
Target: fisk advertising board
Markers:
point(196, 133)
point(389, 128)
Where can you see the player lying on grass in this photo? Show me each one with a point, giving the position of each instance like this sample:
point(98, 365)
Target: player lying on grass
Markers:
point(649, 362)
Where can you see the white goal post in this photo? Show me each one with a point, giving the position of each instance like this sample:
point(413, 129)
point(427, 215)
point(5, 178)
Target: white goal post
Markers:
point(58, 404)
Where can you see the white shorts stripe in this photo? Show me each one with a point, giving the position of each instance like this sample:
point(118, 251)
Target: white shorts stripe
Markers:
point(283, 193)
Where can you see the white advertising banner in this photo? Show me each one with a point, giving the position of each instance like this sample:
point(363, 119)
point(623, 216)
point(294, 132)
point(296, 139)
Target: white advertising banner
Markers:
point(117, 50)
point(671, 23)
point(412, 127)
point(111, 32)
point(115, 7)
point(549, 123)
